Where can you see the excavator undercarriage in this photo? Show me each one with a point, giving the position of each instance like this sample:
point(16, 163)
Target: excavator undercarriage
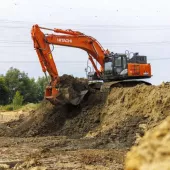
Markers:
point(107, 86)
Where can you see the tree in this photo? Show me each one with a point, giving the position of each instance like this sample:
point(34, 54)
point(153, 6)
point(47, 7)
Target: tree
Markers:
point(31, 90)
point(41, 84)
point(12, 81)
point(17, 100)
point(19, 81)
point(4, 92)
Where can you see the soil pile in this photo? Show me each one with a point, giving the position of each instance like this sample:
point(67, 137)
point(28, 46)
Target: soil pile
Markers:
point(64, 120)
point(129, 112)
point(102, 121)
point(67, 119)
point(153, 151)
point(77, 84)
point(119, 117)
point(72, 90)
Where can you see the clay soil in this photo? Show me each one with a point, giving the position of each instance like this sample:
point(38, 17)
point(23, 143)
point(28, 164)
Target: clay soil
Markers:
point(96, 134)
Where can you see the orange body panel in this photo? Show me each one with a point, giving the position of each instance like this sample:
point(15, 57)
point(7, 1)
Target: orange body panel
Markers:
point(141, 70)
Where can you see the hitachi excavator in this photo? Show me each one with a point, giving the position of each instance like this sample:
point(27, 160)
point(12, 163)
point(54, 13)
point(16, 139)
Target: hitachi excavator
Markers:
point(115, 68)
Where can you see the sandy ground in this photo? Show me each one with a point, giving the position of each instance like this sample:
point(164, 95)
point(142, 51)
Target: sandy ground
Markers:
point(9, 116)
point(59, 153)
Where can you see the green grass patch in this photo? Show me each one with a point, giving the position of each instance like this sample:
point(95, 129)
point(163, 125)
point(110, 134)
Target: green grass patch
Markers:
point(27, 107)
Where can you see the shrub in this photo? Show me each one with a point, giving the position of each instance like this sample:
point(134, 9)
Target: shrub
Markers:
point(17, 100)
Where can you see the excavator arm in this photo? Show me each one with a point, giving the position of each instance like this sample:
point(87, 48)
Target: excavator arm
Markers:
point(68, 38)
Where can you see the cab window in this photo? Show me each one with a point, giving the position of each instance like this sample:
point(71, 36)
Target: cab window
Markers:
point(108, 66)
point(118, 61)
point(124, 62)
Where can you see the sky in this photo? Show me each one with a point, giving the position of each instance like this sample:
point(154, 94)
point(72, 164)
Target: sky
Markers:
point(136, 25)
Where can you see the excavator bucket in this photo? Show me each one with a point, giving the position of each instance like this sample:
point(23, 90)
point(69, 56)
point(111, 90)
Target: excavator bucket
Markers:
point(65, 97)
point(70, 91)
point(69, 96)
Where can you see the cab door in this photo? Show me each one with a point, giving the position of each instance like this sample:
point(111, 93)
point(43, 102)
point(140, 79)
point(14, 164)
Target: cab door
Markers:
point(120, 64)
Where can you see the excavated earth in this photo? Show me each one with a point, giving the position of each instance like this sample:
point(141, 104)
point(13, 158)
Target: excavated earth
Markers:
point(153, 151)
point(96, 134)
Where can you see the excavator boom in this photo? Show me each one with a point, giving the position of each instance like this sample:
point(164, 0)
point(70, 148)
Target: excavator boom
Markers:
point(71, 39)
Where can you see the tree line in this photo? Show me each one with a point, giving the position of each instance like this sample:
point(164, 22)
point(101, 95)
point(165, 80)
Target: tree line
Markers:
point(18, 85)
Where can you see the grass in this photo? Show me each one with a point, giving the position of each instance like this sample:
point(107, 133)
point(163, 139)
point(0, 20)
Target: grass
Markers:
point(27, 107)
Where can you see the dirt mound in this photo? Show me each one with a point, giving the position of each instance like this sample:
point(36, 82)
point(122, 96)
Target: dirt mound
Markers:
point(118, 118)
point(129, 112)
point(107, 121)
point(67, 120)
point(153, 151)
point(77, 84)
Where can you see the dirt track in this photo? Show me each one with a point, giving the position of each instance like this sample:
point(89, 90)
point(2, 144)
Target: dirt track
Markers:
point(94, 135)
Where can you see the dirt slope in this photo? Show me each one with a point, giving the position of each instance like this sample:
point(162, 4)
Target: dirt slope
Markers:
point(119, 117)
point(153, 151)
point(129, 112)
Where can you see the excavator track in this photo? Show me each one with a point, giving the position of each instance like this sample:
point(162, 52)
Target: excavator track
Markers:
point(107, 86)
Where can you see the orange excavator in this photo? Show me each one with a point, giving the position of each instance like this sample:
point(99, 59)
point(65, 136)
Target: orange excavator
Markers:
point(114, 68)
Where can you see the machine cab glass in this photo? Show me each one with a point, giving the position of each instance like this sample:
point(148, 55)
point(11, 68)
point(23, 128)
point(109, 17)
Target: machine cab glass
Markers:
point(116, 64)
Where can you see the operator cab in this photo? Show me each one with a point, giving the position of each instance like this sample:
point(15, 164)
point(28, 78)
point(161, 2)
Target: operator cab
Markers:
point(115, 66)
